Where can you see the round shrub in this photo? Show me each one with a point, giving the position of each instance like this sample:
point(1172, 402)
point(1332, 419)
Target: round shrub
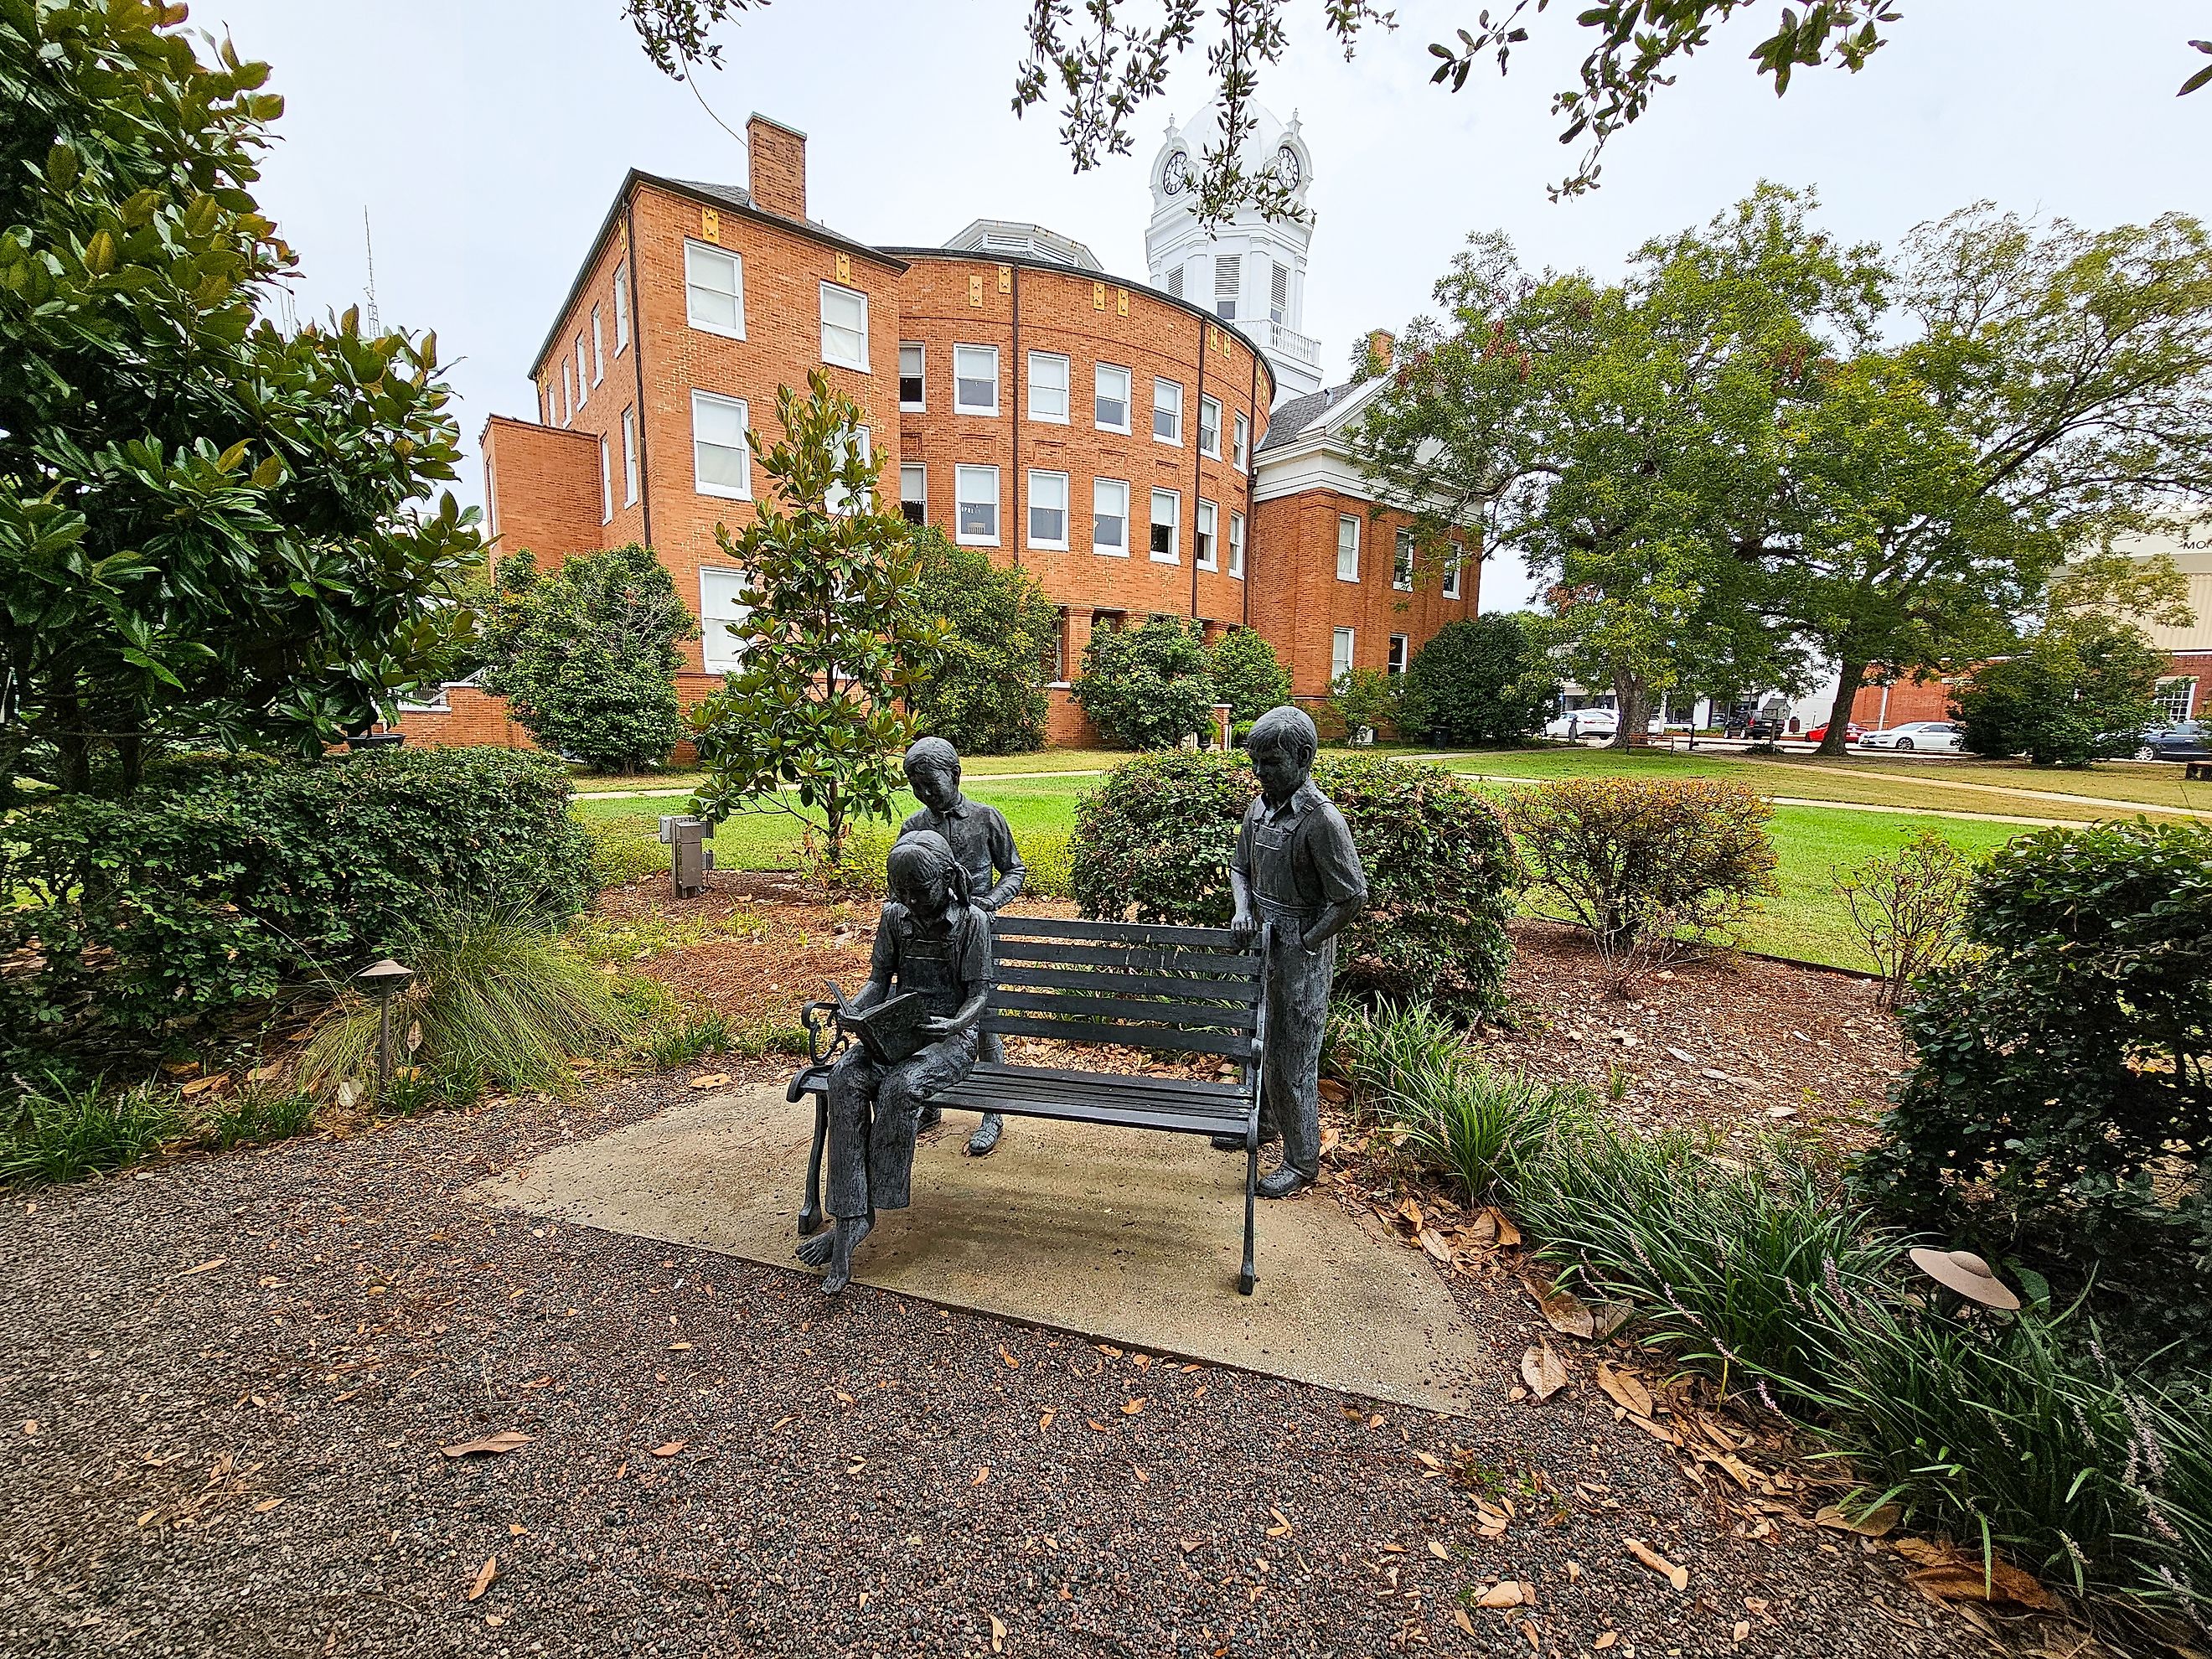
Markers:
point(246, 879)
point(1156, 838)
point(1649, 870)
point(1481, 680)
point(1246, 674)
point(985, 696)
point(1146, 688)
point(2061, 1069)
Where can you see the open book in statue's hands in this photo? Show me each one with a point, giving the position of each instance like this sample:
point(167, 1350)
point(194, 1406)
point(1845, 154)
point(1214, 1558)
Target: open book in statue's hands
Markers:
point(892, 1030)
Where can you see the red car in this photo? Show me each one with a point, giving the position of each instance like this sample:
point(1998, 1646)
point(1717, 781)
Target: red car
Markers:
point(1851, 731)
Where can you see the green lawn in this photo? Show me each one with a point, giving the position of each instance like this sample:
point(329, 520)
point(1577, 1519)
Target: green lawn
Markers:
point(1807, 920)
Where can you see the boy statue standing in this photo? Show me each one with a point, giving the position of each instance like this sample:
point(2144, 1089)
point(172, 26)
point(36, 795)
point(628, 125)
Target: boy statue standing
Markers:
point(984, 845)
point(933, 941)
point(1296, 870)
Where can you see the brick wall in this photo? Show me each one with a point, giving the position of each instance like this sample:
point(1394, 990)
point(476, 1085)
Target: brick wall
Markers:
point(472, 718)
point(544, 485)
point(1299, 601)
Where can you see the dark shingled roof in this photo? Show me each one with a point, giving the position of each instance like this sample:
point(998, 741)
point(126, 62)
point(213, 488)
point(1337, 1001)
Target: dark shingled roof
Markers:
point(1295, 416)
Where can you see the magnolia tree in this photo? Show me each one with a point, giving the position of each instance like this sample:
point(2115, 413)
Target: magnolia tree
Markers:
point(834, 636)
point(212, 531)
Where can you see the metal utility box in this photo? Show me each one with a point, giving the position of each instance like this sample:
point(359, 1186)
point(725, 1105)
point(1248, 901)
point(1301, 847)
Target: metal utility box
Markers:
point(689, 858)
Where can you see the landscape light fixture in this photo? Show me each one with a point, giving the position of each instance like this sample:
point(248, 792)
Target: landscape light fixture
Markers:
point(381, 982)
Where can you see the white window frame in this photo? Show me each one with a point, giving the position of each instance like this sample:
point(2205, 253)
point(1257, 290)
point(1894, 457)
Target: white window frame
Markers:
point(710, 625)
point(1174, 555)
point(1205, 536)
point(921, 373)
point(2190, 687)
point(961, 477)
point(1344, 521)
point(744, 492)
point(1402, 555)
point(1065, 388)
point(1401, 653)
point(738, 264)
point(959, 408)
point(606, 483)
point(857, 363)
point(1240, 441)
point(1237, 546)
point(1211, 452)
point(1452, 569)
point(1098, 374)
point(1101, 551)
point(630, 457)
point(1066, 510)
point(622, 307)
point(568, 392)
point(833, 498)
point(1160, 382)
point(599, 348)
point(1342, 642)
point(583, 392)
point(920, 471)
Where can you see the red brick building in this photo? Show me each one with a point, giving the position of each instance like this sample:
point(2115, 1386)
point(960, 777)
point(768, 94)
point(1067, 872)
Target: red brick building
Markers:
point(1112, 438)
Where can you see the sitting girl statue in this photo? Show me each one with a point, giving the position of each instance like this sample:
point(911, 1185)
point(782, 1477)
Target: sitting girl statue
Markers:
point(931, 939)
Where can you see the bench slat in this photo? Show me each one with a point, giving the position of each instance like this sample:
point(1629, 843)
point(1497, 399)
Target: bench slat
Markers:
point(1051, 1080)
point(1244, 993)
point(1133, 933)
point(1127, 1111)
point(1169, 1038)
point(1087, 1006)
point(1142, 957)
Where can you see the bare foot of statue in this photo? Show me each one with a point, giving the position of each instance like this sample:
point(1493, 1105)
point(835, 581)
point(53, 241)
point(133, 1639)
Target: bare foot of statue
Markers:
point(849, 1231)
point(815, 1251)
point(1281, 1184)
point(985, 1136)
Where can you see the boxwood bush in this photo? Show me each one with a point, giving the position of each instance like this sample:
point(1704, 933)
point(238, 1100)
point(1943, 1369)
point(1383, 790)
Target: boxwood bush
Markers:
point(1155, 840)
point(221, 885)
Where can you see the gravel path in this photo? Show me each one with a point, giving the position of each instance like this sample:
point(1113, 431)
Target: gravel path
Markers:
point(243, 1457)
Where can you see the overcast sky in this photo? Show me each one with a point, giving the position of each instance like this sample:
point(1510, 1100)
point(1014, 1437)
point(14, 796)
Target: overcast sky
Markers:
point(485, 139)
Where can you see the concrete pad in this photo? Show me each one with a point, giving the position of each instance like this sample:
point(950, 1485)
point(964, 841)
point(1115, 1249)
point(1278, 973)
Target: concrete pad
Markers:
point(1122, 1235)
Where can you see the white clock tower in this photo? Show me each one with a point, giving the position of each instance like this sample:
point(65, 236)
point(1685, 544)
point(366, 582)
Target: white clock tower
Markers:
point(1245, 270)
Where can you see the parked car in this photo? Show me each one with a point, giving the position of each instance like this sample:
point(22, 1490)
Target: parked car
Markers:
point(1940, 736)
point(2183, 740)
point(1584, 723)
point(1758, 728)
point(1852, 732)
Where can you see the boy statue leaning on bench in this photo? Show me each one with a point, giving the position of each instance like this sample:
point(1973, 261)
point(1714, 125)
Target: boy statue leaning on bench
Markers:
point(933, 942)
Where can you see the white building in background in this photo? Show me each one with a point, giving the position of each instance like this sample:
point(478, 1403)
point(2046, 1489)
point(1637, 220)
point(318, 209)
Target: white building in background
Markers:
point(1247, 271)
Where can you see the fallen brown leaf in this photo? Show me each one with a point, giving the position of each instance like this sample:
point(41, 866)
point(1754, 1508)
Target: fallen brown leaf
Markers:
point(1677, 1576)
point(1563, 1310)
point(1873, 1524)
point(1606, 1639)
point(1131, 1408)
point(1438, 1551)
point(1012, 1364)
point(506, 1440)
point(1436, 1244)
point(1625, 1388)
point(1143, 1479)
point(1507, 1595)
point(1044, 1421)
point(982, 1475)
point(1950, 1574)
point(485, 1574)
point(1505, 1231)
point(668, 1448)
point(1544, 1371)
point(204, 1268)
point(1460, 1617)
point(1411, 1211)
point(710, 1080)
point(201, 1085)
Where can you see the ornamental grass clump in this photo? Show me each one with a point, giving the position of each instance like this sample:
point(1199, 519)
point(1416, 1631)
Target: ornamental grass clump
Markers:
point(497, 996)
point(64, 1131)
point(1650, 871)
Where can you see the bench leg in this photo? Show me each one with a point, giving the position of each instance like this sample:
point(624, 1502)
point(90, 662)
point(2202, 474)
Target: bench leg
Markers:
point(810, 1214)
point(1247, 1278)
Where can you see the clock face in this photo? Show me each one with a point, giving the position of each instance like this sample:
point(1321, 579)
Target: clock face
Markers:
point(1287, 168)
point(1176, 178)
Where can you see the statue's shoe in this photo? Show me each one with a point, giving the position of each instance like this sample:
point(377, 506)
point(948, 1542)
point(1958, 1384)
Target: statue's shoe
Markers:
point(930, 1118)
point(1281, 1184)
point(987, 1134)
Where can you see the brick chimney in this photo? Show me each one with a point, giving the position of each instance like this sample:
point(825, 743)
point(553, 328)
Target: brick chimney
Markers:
point(1380, 342)
point(777, 155)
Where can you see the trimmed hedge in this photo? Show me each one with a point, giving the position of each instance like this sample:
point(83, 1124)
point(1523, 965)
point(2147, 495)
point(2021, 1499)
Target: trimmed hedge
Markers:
point(221, 885)
point(1156, 839)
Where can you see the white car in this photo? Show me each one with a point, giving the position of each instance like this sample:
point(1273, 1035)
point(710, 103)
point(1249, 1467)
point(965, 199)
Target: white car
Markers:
point(1584, 723)
point(1933, 736)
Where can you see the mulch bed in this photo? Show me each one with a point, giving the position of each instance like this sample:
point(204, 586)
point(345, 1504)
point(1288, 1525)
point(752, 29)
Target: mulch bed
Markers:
point(227, 1381)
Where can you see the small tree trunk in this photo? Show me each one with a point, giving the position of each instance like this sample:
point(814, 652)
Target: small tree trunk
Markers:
point(1630, 714)
point(1848, 677)
point(130, 752)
